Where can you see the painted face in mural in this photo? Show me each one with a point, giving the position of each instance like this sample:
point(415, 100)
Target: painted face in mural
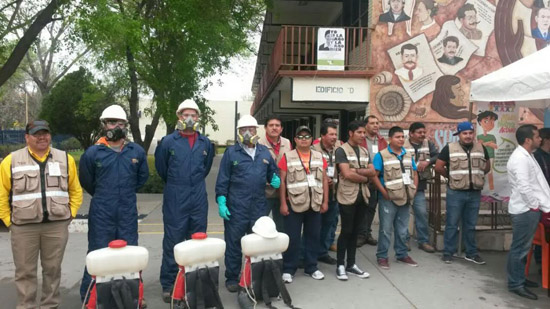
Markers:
point(450, 49)
point(422, 13)
point(543, 19)
point(396, 6)
point(458, 93)
point(487, 123)
point(470, 20)
point(409, 58)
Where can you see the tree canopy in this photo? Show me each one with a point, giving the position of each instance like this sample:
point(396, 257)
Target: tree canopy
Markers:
point(75, 104)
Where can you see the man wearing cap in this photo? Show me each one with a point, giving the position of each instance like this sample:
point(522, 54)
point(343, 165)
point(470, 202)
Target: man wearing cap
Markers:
point(277, 146)
point(465, 164)
point(425, 154)
point(245, 169)
point(304, 185)
point(39, 195)
point(112, 171)
point(183, 160)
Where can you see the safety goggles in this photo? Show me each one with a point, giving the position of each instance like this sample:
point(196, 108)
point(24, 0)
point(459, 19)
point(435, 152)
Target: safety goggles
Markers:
point(303, 137)
point(117, 122)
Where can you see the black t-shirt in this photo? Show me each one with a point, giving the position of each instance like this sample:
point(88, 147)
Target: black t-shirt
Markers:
point(340, 155)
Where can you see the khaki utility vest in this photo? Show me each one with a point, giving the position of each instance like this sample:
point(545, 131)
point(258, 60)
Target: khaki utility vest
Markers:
point(423, 155)
point(35, 192)
point(347, 190)
point(285, 147)
point(300, 194)
point(466, 168)
point(400, 193)
point(329, 157)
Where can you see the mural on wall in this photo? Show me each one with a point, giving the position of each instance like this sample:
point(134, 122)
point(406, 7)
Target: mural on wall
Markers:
point(428, 52)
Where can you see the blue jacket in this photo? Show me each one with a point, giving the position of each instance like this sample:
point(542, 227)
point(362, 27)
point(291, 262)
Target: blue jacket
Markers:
point(242, 181)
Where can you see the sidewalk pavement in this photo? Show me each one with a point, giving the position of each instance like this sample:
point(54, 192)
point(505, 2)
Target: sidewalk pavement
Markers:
point(432, 284)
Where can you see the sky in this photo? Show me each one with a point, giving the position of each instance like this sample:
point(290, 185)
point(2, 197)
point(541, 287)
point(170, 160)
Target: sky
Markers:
point(235, 83)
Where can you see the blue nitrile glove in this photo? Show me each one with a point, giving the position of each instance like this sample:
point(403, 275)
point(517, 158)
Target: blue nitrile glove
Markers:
point(222, 207)
point(275, 181)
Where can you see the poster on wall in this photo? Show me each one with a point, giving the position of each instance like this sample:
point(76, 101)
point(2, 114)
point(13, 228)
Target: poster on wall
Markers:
point(331, 43)
point(415, 66)
point(452, 49)
point(496, 129)
point(475, 19)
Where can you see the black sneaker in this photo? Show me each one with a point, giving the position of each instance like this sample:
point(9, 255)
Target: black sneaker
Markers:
point(371, 241)
point(475, 259)
point(447, 259)
point(327, 259)
point(167, 296)
point(232, 287)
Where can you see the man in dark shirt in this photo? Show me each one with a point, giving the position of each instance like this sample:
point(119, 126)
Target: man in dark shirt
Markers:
point(417, 144)
point(542, 155)
point(463, 194)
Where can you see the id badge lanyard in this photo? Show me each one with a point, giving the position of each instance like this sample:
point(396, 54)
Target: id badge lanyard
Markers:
point(311, 182)
point(405, 173)
point(330, 167)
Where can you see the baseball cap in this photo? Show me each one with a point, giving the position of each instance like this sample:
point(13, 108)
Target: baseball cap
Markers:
point(37, 125)
point(464, 126)
point(303, 128)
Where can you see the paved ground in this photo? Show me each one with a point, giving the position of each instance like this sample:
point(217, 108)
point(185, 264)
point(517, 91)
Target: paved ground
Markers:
point(431, 285)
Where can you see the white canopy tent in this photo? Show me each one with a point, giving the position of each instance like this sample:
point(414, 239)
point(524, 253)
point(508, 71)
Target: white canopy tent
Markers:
point(526, 81)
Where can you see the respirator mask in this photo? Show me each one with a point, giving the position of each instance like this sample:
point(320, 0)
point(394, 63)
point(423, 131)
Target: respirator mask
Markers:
point(248, 138)
point(115, 134)
point(187, 123)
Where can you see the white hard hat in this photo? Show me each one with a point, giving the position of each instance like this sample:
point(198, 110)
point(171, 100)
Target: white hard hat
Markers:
point(113, 112)
point(265, 227)
point(188, 104)
point(247, 121)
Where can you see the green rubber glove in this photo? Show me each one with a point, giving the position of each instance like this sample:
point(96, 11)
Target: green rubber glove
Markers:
point(275, 181)
point(222, 207)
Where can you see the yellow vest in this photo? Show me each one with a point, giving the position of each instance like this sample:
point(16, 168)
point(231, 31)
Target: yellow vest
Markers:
point(347, 190)
point(423, 155)
point(300, 194)
point(285, 147)
point(35, 191)
point(466, 169)
point(400, 193)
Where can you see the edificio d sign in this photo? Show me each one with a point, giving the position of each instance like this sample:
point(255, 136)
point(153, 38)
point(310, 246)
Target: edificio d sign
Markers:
point(330, 89)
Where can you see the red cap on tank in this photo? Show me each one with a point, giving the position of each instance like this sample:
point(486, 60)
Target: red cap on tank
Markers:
point(199, 235)
point(119, 243)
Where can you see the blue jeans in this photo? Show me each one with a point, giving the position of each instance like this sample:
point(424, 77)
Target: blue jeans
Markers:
point(420, 218)
point(329, 222)
point(310, 221)
point(524, 227)
point(392, 217)
point(461, 205)
point(273, 206)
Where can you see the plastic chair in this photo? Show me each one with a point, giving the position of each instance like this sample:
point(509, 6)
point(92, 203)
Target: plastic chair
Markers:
point(540, 239)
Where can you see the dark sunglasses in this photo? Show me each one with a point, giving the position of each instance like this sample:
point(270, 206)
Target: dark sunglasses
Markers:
point(303, 136)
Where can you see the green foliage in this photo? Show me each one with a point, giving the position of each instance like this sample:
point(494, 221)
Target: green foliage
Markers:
point(9, 148)
point(69, 144)
point(154, 184)
point(173, 45)
point(74, 106)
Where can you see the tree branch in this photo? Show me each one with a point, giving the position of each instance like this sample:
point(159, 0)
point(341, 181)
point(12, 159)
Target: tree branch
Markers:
point(18, 53)
point(75, 60)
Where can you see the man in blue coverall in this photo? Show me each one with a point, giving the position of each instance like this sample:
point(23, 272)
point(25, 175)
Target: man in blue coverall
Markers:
point(240, 192)
point(112, 171)
point(183, 160)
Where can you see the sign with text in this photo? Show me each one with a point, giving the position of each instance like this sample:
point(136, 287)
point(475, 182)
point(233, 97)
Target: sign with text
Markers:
point(331, 43)
point(330, 89)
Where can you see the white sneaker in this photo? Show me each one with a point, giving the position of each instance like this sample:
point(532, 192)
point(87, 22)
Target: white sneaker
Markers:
point(287, 278)
point(317, 275)
point(357, 271)
point(341, 273)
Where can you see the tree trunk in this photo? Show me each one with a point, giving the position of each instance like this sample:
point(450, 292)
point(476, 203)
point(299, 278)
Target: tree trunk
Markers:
point(134, 98)
point(42, 19)
point(150, 130)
